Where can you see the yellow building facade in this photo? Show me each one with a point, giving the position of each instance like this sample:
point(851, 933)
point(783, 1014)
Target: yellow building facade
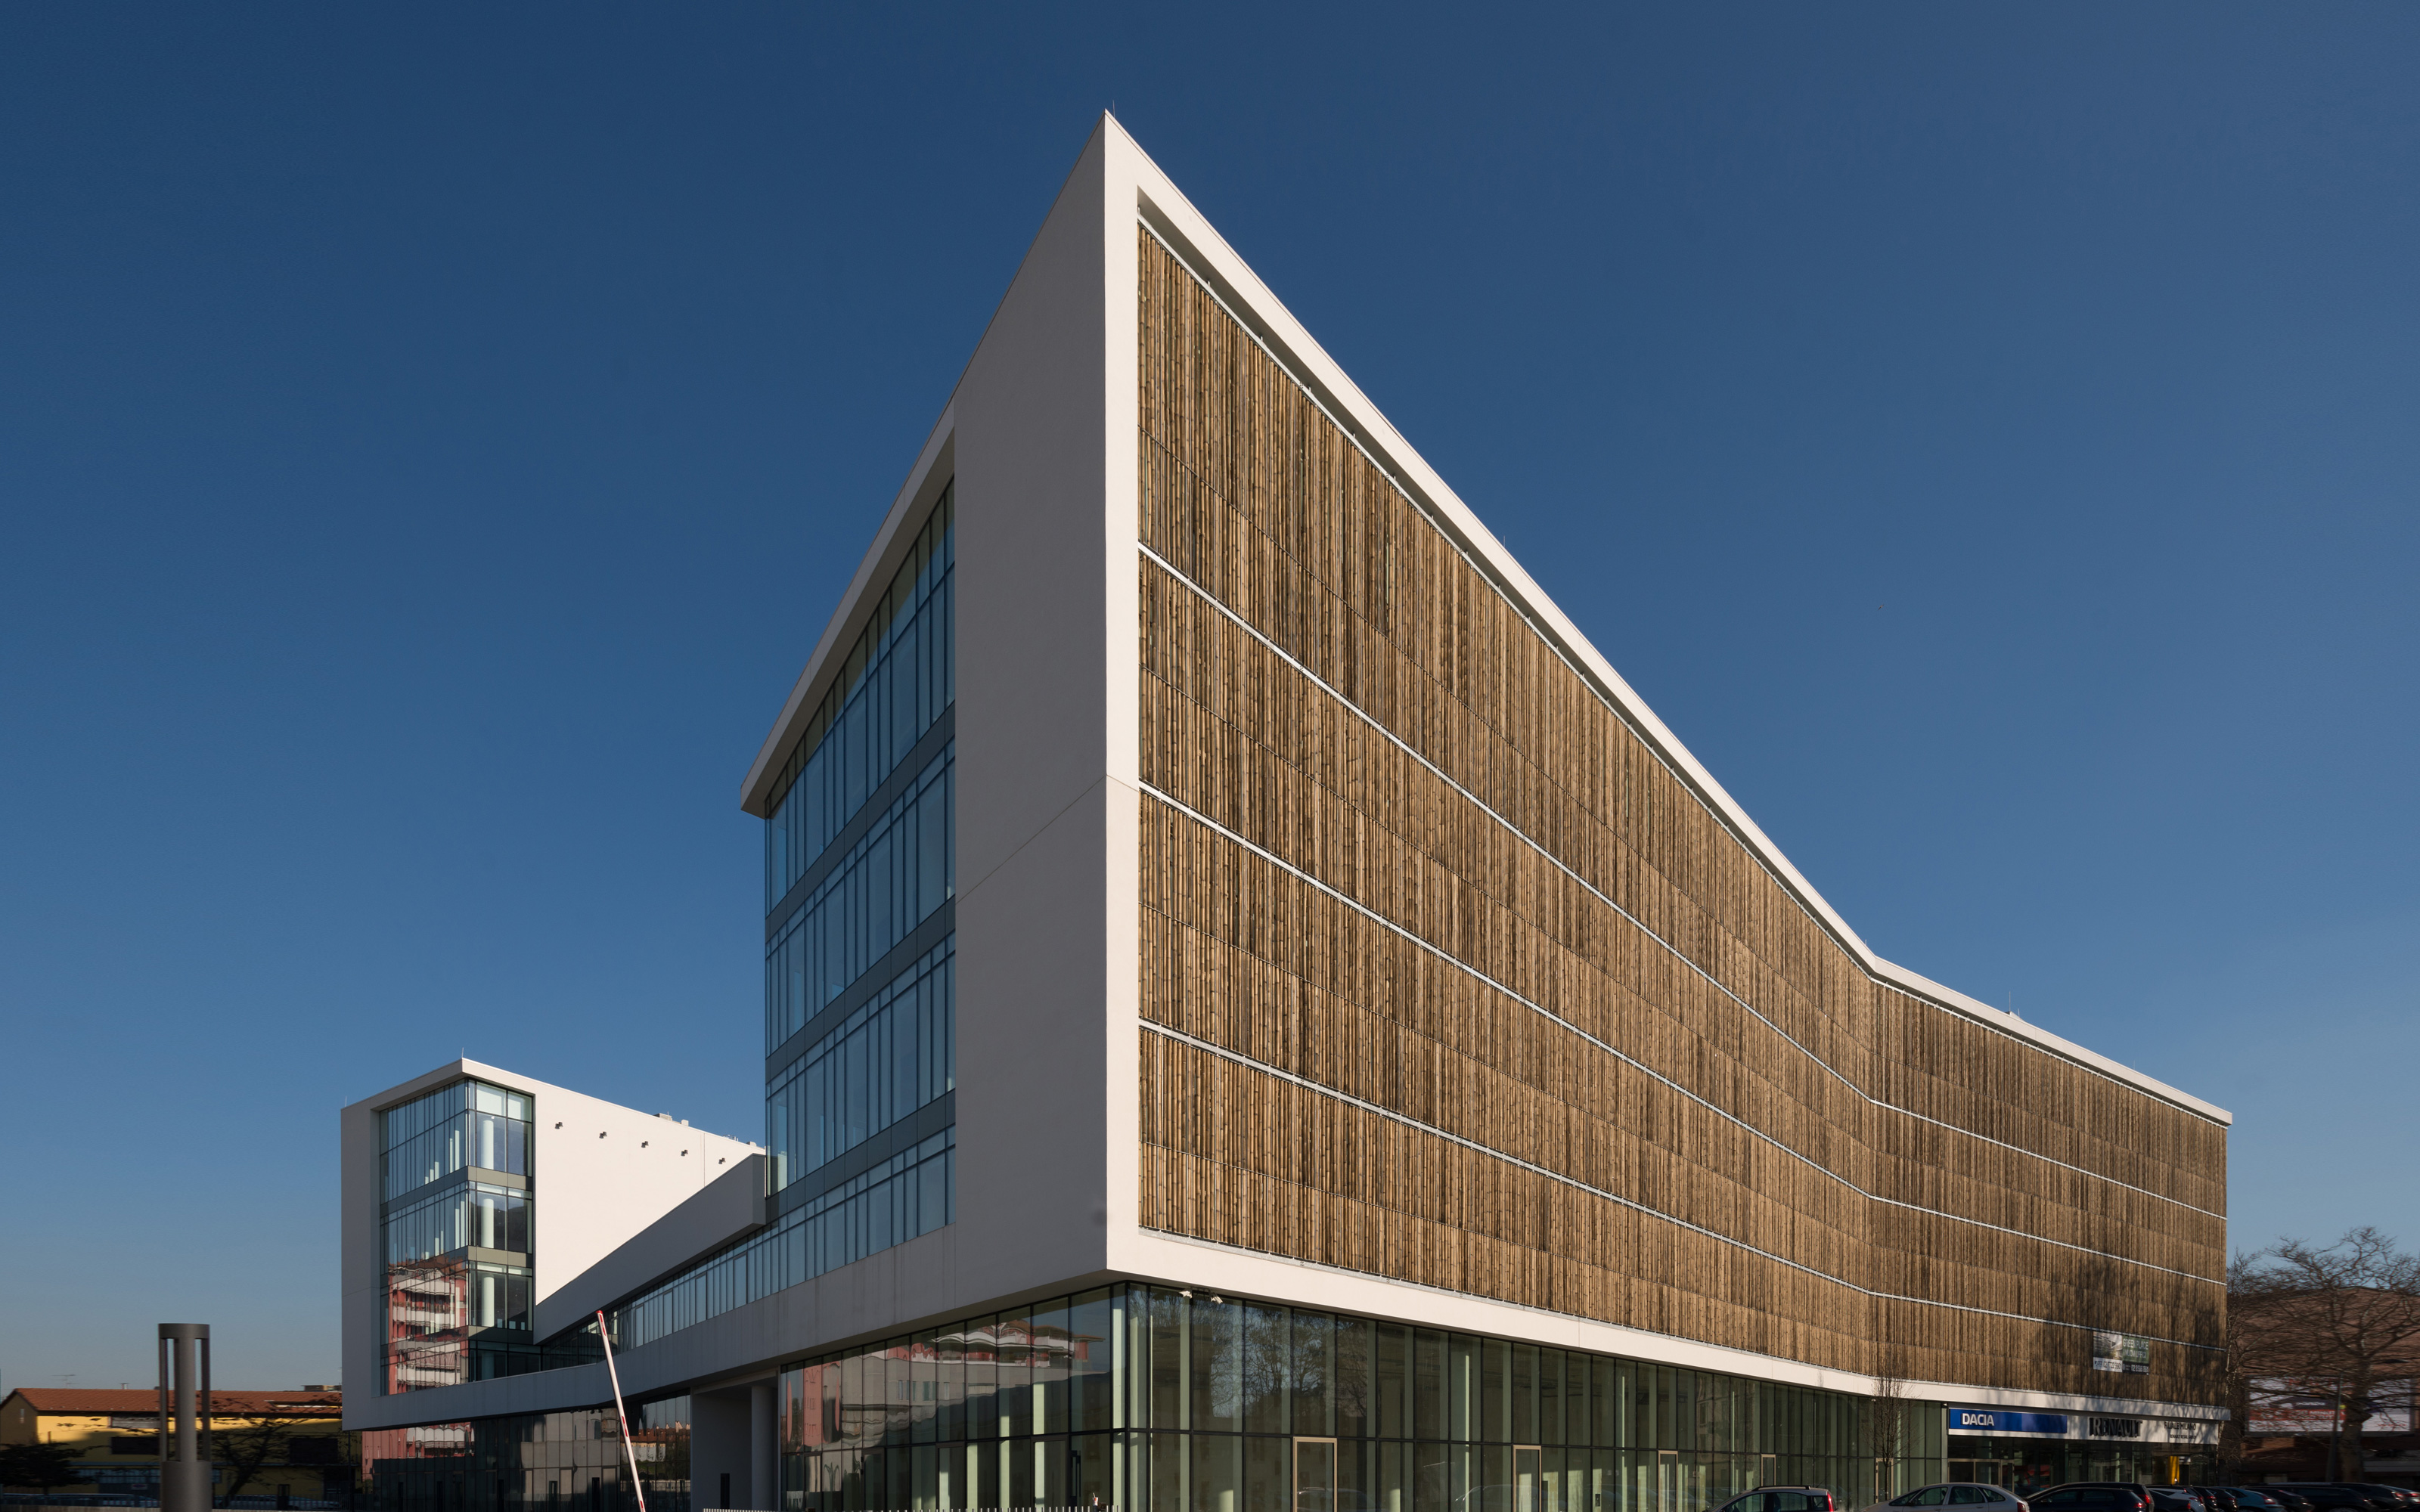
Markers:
point(287, 1445)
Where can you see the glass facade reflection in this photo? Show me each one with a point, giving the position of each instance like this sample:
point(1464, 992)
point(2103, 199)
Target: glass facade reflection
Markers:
point(1132, 1395)
point(535, 1462)
point(891, 879)
point(910, 1194)
point(898, 678)
point(2027, 1465)
point(861, 1022)
point(455, 1128)
point(455, 1235)
point(891, 1057)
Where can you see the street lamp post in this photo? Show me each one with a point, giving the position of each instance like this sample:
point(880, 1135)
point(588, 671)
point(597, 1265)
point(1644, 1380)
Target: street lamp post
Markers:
point(184, 1418)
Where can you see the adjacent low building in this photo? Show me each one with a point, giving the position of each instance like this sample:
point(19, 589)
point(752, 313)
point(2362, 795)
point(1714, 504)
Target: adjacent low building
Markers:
point(1259, 1013)
point(286, 1446)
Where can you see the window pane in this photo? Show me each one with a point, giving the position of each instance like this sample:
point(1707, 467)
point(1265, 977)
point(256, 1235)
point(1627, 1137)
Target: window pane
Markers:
point(1052, 1368)
point(1351, 1369)
point(1092, 1349)
point(1217, 1473)
point(1392, 1381)
point(1167, 1340)
point(1429, 1394)
point(1266, 1363)
point(1311, 1382)
point(1493, 1417)
point(1215, 1380)
point(1015, 1351)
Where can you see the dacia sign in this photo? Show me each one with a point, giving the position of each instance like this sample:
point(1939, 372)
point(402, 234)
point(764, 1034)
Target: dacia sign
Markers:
point(1999, 1420)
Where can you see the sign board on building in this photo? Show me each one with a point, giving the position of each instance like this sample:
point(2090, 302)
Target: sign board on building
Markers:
point(2000, 1420)
point(2113, 1427)
point(2127, 1354)
point(2281, 1405)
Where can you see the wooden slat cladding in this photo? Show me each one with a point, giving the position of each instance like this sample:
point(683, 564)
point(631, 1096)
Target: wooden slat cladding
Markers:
point(1799, 1130)
point(1235, 1155)
point(1602, 976)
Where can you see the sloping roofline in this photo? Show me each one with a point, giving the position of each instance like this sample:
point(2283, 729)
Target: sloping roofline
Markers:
point(1159, 205)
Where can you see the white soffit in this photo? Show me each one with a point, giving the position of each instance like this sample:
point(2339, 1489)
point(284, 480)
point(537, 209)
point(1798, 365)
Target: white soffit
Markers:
point(1164, 207)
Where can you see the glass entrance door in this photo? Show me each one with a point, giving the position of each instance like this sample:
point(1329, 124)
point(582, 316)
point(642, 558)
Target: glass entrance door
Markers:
point(1314, 1476)
point(1526, 1497)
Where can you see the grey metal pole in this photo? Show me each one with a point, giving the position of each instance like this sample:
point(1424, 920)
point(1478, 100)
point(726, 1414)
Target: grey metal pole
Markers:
point(184, 1460)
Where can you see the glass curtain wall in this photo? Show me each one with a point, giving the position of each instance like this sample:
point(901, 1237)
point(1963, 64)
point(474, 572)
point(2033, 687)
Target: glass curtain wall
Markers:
point(456, 1231)
point(891, 1057)
point(534, 1462)
point(910, 1194)
point(859, 1006)
point(889, 881)
point(899, 676)
point(2027, 1465)
point(1141, 1396)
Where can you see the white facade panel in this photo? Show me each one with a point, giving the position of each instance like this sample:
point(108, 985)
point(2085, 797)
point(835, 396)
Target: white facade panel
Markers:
point(599, 1174)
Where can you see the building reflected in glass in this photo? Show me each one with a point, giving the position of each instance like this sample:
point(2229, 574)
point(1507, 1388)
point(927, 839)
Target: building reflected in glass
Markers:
point(1135, 1395)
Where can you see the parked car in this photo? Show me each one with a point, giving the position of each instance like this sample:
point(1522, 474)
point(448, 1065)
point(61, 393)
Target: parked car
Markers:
point(2332, 1496)
point(2285, 1497)
point(2386, 1495)
point(2242, 1499)
point(1783, 1499)
point(1955, 1493)
point(2178, 1499)
point(2093, 1496)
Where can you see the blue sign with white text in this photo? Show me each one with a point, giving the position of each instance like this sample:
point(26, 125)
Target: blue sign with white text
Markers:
point(1999, 1420)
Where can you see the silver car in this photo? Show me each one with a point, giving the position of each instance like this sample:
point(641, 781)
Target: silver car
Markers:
point(1955, 1493)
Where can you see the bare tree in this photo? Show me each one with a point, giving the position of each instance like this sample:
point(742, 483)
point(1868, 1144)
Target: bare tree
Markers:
point(1889, 1419)
point(2334, 1323)
point(1890, 1409)
point(2245, 1358)
point(260, 1439)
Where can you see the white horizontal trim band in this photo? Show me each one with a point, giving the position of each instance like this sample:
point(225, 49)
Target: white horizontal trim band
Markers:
point(1645, 1070)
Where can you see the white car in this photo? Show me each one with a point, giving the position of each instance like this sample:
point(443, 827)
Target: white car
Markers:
point(1955, 1493)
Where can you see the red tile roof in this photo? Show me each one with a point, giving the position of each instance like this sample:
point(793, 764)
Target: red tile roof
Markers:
point(102, 1400)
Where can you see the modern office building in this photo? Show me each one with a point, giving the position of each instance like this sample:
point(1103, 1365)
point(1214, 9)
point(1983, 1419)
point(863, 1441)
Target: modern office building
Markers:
point(1259, 1013)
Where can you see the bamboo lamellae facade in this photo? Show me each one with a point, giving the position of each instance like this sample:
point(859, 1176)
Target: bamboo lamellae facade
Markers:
point(1448, 976)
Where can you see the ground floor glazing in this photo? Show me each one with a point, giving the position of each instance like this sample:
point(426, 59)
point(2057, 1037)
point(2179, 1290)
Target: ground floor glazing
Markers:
point(1182, 1401)
point(572, 1461)
point(1155, 1398)
point(2025, 1465)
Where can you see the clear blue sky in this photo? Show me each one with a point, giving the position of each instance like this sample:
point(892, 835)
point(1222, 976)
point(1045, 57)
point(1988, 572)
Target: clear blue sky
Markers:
point(430, 440)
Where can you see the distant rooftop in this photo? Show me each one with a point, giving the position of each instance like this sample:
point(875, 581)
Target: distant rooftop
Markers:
point(121, 1399)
